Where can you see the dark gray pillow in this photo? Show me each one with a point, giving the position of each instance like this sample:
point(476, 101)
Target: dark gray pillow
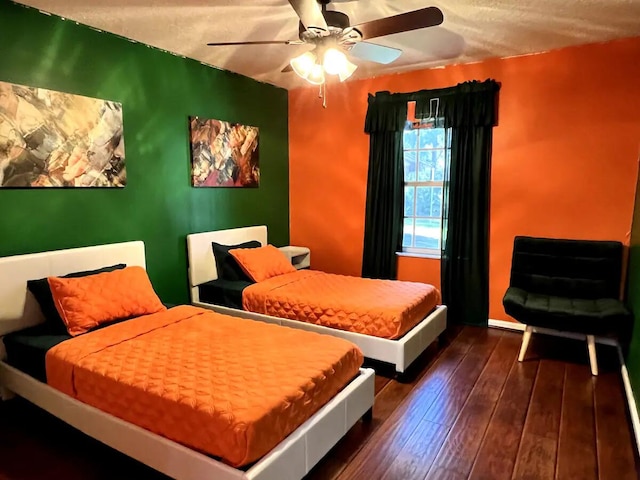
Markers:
point(228, 268)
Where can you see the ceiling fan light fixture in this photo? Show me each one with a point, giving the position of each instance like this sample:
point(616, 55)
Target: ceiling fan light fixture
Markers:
point(329, 32)
point(334, 61)
point(347, 70)
point(316, 76)
point(304, 64)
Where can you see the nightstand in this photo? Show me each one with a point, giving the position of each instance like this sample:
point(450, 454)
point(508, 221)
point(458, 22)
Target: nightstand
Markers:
point(300, 257)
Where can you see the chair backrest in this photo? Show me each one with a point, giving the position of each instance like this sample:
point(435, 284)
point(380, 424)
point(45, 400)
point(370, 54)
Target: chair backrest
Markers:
point(567, 268)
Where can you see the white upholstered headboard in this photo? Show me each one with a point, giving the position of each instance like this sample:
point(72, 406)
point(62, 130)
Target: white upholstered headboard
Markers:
point(202, 266)
point(18, 309)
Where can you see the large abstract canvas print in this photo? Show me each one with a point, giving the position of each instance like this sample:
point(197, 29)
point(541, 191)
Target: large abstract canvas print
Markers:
point(224, 154)
point(54, 139)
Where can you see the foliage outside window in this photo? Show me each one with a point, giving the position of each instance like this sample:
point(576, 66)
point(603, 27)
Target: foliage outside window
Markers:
point(426, 151)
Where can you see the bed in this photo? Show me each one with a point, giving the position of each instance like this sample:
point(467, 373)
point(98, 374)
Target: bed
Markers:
point(209, 292)
point(79, 376)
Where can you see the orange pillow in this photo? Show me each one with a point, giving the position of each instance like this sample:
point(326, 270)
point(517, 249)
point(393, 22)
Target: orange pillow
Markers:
point(262, 263)
point(86, 302)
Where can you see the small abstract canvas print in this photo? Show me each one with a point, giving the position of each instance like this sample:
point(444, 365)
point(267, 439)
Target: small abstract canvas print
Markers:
point(223, 154)
point(55, 139)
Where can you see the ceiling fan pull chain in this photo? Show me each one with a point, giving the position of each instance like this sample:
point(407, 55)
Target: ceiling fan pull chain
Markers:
point(322, 93)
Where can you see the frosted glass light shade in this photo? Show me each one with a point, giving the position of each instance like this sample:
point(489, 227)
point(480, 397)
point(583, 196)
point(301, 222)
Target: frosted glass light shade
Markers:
point(316, 76)
point(334, 61)
point(347, 71)
point(304, 64)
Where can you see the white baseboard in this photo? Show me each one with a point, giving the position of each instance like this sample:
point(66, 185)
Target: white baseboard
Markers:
point(506, 325)
point(631, 401)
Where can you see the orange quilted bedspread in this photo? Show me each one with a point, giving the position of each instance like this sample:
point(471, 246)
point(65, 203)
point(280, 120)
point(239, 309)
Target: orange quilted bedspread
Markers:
point(227, 387)
point(381, 308)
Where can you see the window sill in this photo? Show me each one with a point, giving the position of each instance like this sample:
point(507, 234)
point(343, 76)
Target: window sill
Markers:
point(433, 256)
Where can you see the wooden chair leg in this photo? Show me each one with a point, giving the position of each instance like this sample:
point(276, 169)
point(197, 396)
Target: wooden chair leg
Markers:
point(6, 394)
point(526, 336)
point(591, 345)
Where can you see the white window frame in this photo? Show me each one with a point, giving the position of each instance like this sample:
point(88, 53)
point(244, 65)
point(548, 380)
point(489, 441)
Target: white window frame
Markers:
point(417, 251)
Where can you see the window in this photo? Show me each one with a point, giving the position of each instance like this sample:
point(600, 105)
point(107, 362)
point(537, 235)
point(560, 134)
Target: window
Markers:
point(426, 150)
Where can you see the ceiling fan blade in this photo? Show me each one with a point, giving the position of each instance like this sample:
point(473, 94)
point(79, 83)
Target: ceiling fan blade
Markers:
point(374, 52)
point(310, 14)
point(287, 69)
point(267, 42)
point(405, 22)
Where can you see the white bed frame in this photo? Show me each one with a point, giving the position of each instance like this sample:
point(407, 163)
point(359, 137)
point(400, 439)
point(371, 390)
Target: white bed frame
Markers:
point(401, 352)
point(290, 460)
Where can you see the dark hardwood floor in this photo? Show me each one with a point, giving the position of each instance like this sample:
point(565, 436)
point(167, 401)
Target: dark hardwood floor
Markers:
point(466, 410)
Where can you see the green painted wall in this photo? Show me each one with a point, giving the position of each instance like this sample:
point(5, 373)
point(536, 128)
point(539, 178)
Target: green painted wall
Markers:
point(158, 92)
point(633, 298)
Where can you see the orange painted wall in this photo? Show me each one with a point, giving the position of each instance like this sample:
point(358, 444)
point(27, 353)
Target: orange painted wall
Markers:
point(565, 156)
point(415, 269)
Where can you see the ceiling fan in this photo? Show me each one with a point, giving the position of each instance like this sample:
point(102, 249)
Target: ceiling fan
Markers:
point(331, 35)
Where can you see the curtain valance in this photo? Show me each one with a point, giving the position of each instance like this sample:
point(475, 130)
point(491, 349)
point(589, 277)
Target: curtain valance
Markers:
point(471, 103)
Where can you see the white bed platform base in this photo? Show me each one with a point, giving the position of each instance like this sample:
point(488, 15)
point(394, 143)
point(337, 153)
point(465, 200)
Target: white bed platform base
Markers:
point(289, 460)
point(401, 352)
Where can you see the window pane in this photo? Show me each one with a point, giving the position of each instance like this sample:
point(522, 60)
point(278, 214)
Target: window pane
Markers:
point(436, 202)
point(426, 164)
point(410, 138)
point(409, 194)
point(423, 203)
point(432, 137)
point(427, 233)
point(438, 173)
point(410, 166)
point(407, 233)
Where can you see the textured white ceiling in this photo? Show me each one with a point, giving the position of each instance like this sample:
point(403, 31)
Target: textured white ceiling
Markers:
point(472, 30)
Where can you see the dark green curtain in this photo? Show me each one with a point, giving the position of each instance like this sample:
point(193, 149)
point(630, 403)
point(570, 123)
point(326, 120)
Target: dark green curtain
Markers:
point(464, 265)
point(470, 110)
point(385, 188)
point(465, 248)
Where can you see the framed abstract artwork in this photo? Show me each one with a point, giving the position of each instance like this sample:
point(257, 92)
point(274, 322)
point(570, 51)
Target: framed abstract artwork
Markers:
point(223, 154)
point(55, 139)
